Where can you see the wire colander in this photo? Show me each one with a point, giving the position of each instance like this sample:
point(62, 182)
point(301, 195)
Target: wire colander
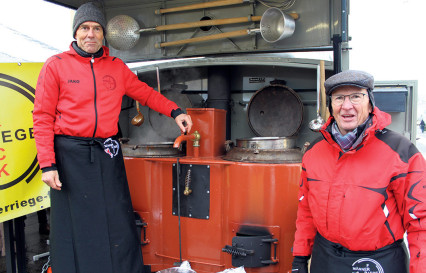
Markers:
point(122, 32)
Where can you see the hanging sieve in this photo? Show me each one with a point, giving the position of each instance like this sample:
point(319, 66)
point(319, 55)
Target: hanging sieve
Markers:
point(122, 32)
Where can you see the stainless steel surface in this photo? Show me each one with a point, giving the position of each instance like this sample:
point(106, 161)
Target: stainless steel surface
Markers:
point(314, 29)
point(275, 25)
point(293, 60)
point(300, 73)
point(162, 149)
point(265, 143)
point(275, 110)
point(319, 21)
point(122, 32)
point(268, 150)
point(316, 124)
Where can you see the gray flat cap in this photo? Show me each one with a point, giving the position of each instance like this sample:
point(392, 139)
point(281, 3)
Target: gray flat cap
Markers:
point(88, 12)
point(349, 77)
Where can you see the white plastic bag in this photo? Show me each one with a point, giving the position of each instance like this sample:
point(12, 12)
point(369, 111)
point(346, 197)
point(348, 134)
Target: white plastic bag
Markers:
point(185, 267)
point(234, 270)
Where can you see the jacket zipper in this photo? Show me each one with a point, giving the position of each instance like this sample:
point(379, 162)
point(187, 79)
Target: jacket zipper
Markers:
point(94, 84)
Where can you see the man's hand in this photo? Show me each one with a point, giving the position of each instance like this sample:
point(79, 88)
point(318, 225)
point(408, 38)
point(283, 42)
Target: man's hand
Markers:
point(300, 264)
point(184, 122)
point(51, 178)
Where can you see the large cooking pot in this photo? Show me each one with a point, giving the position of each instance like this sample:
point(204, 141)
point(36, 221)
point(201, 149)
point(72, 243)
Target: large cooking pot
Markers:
point(275, 111)
point(274, 150)
point(160, 149)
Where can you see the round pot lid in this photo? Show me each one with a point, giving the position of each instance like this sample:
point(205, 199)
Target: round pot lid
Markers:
point(166, 126)
point(275, 110)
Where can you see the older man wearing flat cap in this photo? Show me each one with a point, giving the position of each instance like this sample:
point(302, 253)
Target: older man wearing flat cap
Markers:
point(77, 105)
point(362, 187)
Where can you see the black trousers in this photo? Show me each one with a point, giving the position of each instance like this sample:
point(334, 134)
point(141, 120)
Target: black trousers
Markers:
point(93, 226)
point(333, 258)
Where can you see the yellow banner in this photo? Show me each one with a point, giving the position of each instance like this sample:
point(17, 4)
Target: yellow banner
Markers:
point(21, 189)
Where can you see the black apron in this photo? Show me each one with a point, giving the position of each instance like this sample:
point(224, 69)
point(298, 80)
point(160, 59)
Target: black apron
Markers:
point(93, 225)
point(329, 257)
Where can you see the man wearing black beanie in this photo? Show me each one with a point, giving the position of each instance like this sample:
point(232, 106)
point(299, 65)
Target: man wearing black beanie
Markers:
point(76, 111)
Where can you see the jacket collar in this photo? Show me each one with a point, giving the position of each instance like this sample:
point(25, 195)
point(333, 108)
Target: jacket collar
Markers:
point(72, 51)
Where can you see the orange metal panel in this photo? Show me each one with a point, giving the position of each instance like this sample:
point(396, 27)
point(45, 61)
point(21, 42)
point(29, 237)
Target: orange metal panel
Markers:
point(210, 123)
point(241, 194)
point(265, 195)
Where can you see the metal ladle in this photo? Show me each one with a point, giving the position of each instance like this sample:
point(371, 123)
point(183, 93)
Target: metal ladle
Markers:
point(316, 124)
point(138, 119)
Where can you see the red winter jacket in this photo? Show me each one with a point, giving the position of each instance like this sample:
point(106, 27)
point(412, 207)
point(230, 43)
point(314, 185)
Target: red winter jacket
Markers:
point(79, 98)
point(365, 198)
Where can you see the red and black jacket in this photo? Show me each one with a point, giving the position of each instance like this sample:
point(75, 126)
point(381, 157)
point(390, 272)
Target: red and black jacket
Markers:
point(365, 198)
point(81, 96)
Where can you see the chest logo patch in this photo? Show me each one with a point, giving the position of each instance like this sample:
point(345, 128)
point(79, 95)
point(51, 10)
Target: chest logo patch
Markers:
point(109, 82)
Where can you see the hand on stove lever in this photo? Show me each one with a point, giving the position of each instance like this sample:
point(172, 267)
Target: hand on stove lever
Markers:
point(184, 122)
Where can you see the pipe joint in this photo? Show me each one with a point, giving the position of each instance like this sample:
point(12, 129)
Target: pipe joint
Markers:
point(195, 137)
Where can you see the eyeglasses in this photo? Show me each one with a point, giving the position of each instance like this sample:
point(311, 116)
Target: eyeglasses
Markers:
point(354, 98)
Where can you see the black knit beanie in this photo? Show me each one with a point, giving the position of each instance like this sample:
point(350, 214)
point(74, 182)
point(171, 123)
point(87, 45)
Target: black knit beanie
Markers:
point(88, 12)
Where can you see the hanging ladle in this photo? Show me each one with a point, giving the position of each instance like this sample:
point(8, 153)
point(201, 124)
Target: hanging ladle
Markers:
point(138, 119)
point(316, 124)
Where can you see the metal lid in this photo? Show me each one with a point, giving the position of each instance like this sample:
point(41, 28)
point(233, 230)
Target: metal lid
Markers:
point(275, 110)
point(270, 150)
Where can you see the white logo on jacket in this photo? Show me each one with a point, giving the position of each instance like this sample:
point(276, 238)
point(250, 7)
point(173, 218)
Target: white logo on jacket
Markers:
point(111, 147)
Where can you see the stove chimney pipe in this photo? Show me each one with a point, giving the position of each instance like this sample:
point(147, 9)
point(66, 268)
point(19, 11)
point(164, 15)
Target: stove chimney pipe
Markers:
point(219, 92)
